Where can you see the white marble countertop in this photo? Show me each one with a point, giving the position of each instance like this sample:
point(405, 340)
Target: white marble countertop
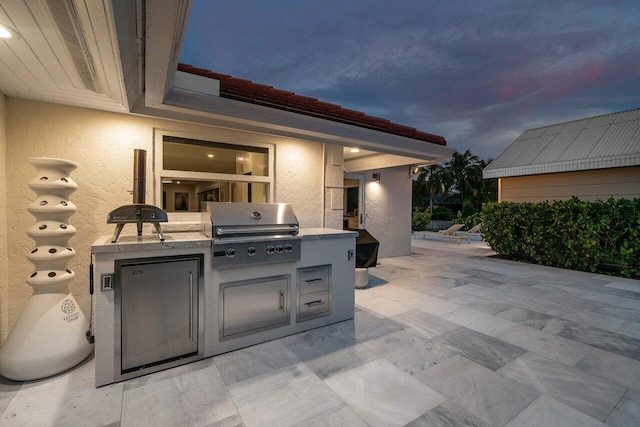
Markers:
point(127, 243)
point(325, 233)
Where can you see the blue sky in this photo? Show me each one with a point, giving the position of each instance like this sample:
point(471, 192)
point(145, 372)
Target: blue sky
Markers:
point(478, 73)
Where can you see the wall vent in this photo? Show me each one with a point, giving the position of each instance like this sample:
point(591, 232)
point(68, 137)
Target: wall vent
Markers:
point(66, 19)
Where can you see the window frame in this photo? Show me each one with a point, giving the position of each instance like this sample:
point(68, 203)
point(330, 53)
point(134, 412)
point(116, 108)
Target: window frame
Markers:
point(159, 172)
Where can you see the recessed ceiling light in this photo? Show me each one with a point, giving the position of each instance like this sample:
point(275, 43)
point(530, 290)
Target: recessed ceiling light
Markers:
point(177, 182)
point(210, 156)
point(8, 32)
point(355, 150)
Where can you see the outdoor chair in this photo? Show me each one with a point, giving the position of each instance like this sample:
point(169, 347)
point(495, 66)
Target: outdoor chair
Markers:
point(449, 233)
point(474, 230)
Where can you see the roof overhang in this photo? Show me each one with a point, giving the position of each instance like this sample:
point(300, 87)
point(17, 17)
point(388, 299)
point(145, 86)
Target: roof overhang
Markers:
point(619, 161)
point(133, 48)
point(168, 97)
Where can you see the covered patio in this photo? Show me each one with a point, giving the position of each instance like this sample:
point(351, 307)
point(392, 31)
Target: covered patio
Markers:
point(445, 336)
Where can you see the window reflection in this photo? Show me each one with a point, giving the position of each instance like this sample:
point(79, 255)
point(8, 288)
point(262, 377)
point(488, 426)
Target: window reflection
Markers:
point(181, 195)
point(183, 154)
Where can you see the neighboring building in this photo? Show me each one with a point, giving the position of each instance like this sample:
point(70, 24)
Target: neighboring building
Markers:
point(93, 84)
point(593, 158)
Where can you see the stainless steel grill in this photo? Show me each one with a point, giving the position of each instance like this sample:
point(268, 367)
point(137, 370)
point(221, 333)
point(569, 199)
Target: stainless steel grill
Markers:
point(251, 233)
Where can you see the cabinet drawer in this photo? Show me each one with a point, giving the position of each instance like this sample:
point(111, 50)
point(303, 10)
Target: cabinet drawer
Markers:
point(313, 305)
point(314, 280)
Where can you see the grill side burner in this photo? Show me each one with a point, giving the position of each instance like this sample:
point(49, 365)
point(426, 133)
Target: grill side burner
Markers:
point(251, 233)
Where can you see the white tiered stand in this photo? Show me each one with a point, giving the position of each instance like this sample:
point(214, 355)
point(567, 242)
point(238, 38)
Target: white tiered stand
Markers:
point(49, 336)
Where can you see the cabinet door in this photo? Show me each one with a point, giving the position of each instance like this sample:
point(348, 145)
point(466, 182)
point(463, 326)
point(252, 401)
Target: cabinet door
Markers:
point(253, 307)
point(159, 309)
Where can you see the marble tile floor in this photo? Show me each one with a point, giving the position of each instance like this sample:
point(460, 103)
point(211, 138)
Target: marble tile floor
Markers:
point(447, 336)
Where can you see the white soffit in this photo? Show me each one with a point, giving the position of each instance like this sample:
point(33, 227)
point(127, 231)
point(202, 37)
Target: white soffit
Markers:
point(608, 141)
point(381, 161)
point(67, 54)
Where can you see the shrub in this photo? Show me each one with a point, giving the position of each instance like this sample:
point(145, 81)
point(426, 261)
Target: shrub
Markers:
point(441, 213)
point(468, 209)
point(468, 221)
point(420, 220)
point(600, 236)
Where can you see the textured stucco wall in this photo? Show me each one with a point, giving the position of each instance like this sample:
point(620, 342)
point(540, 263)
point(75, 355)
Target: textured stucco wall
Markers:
point(333, 186)
point(103, 143)
point(4, 254)
point(299, 169)
point(388, 210)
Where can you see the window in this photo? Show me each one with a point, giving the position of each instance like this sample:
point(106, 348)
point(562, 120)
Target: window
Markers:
point(192, 170)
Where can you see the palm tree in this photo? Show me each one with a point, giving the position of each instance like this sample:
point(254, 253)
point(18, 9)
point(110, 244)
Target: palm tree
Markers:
point(436, 179)
point(484, 190)
point(465, 173)
point(418, 194)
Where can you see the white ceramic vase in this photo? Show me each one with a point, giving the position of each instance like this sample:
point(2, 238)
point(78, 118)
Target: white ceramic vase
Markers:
point(49, 336)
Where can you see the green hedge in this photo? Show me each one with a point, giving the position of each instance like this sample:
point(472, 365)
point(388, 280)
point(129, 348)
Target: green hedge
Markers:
point(600, 236)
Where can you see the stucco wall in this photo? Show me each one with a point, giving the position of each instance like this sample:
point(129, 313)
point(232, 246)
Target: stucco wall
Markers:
point(388, 210)
point(299, 171)
point(586, 185)
point(103, 143)
point(4, 254)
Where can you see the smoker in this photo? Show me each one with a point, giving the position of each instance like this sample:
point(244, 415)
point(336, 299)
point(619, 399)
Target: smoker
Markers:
point(137, 213)
point(251, 233)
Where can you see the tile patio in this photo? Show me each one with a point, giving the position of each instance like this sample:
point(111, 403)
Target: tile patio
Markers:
point(446, 336)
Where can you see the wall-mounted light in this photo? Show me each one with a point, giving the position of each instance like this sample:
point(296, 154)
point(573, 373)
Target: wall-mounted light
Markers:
point(355, 150)
point(376, 177)
point(210, 156)
point(7, 32)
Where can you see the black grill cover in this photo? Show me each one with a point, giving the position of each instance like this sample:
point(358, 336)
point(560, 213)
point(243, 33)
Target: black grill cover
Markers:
point(366, 249)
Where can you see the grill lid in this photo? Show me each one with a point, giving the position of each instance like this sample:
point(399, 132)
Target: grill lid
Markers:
point(224, 221)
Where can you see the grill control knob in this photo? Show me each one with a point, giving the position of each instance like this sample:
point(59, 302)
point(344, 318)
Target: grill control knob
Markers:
point(288, 248)
point(279, 249)
point(271, 249)
point(230, 253)
point(251, 251)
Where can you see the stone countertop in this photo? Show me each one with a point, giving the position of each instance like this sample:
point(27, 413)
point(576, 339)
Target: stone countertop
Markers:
point(325, 233)
point(128, 243)
point(147, 242)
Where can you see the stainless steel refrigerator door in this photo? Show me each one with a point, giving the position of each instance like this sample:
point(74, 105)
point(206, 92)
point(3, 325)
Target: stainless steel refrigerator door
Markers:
point(159, 309)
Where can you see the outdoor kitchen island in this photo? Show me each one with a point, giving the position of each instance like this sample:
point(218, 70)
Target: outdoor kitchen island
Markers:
point(164, 304)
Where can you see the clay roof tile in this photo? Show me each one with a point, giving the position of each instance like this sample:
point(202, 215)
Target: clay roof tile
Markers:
point(248, 91)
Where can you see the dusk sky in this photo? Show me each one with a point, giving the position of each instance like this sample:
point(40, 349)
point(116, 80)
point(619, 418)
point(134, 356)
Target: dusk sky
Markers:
point(478, 73)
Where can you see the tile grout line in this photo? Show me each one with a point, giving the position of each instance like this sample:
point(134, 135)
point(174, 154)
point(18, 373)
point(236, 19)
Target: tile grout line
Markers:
point(525, 408)
point(616, 405)
point(226, 390)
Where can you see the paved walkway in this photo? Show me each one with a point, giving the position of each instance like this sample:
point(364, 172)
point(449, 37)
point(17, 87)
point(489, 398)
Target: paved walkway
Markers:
point(446, 336)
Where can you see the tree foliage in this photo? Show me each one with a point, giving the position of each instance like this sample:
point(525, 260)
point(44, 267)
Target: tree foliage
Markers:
point(461, 176)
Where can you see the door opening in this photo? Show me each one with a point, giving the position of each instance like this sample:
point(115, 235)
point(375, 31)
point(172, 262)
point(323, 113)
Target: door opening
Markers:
point(353, 204)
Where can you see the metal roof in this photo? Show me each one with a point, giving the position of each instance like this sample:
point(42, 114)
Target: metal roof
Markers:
point(607, 141)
